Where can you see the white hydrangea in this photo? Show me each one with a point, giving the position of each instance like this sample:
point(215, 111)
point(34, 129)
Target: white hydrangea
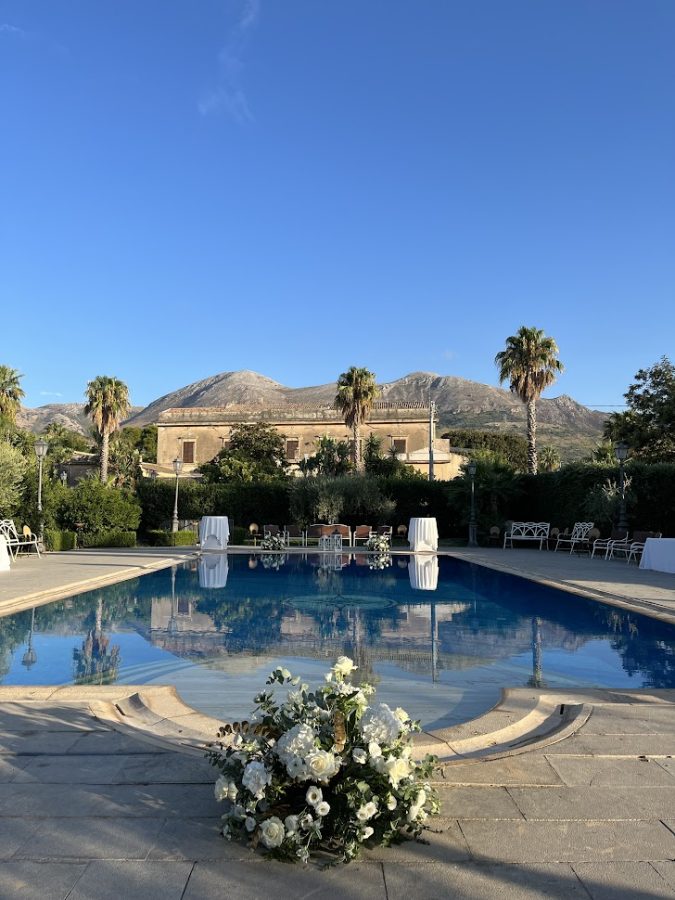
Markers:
point(256, 778)
point(298, 741)
point(296, 768)
point(378, 723)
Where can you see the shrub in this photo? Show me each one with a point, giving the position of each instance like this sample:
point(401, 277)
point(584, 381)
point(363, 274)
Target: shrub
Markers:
point(60, 540)
point(12, 469)
point(108, 539)
point(161, 538)
point(238, 535)
point(96, 507)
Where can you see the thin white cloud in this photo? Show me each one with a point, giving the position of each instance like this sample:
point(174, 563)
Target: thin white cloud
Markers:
point(51, 394)
point(12, 30)
point(229, 95)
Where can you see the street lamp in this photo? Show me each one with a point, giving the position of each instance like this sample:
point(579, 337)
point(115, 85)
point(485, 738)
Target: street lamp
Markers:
point(64, 478)
point(621, 452)
point(41, 447)
point(177, 466)
point(471, 469)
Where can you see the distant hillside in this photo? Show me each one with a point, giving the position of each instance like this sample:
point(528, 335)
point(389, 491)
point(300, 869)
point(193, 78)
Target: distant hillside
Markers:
point(562, 422)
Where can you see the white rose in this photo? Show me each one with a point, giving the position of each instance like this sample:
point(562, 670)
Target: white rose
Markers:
point(401, 715)
point(391, 802)
point(344, 666)
point(284, 673)
point(359, 756)
point(323, 808)
point(220, 788)
point(396, 769)
point(374, 750)
point(249, 823)
point(366, 832)
point(322, 765)
point(313, 795)
point(272, 832)
point(291, 824)
point(367, 811)
point(256, 778)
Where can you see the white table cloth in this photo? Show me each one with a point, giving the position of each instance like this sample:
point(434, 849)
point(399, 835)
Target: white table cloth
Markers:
point(214, 532)
point(659, 555)
point(423, 573)
point(213, 571)
point(4, 554)
point(423, 535)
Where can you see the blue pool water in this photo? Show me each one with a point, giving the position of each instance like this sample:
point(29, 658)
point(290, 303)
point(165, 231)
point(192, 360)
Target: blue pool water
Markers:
point(440, 638)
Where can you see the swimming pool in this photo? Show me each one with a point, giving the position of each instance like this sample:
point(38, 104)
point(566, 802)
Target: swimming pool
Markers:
point(439, 637)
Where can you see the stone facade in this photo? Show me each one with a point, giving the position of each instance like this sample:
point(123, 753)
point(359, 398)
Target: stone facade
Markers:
point(197, 434)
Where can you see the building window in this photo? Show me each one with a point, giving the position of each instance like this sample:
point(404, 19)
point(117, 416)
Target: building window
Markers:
point(188, 451)
point(399, 445)
point(292, 447)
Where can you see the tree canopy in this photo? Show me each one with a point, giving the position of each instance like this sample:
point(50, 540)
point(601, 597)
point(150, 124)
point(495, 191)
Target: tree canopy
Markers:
point(107, 404)
point(11, 393)
point(256, 452)
point(648, 425)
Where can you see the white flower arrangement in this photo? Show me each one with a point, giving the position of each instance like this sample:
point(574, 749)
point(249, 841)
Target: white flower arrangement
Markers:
point(379, 543)
point(273, 542)
point(326, 770)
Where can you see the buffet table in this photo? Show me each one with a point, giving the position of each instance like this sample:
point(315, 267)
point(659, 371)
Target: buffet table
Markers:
point(4, 554)
point(659, 555)
point(423, 535)
point(214, 532)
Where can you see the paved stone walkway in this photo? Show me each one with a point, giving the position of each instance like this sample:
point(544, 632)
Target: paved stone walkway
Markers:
point(87, 813)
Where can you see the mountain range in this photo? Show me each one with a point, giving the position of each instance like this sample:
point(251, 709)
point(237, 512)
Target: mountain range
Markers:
point(562, 422)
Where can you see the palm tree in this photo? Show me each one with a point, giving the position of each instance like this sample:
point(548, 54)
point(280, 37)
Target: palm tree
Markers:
point(107, 404)
point(356, 394)
point(550, 459)
point(530, 363)
point(11, 393)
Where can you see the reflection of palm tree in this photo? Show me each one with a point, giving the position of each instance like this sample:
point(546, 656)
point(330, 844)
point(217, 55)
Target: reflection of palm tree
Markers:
point(30, 656)
point(97, 662)
point(536, 681)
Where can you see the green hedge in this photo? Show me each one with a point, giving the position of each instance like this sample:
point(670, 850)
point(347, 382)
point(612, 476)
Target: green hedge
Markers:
point(108, 539)
point(161, 538)
point(60, 540)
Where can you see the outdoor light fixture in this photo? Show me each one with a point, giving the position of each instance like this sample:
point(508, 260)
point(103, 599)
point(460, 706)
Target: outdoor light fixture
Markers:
point(41, 447)
point(177, 466)
point(621, 453)
point(471, 469)
point(64, 478)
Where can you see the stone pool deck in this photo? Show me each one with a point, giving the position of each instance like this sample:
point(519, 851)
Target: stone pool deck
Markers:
point(89, 810)
point(88, 813)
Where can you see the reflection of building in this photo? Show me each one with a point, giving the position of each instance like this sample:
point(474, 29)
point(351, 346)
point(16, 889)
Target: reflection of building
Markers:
point(196, 435)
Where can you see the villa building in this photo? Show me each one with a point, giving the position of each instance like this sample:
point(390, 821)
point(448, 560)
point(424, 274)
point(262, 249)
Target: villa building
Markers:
point(196, 434)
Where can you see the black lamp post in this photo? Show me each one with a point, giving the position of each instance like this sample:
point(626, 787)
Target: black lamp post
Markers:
point(177, 466)
point(471, 469)
point(621, 452)
point(41, 447)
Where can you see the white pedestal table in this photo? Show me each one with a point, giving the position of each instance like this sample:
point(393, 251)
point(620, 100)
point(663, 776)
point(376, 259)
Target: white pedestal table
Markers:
point(214, 532)
point(659, 555)
point(423, 535)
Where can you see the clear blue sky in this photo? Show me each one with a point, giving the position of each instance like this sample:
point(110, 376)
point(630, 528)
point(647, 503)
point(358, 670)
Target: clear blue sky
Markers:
point(294, 187)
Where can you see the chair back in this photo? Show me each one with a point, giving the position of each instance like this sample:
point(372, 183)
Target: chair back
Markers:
point(293, 531)
point(581, 530)
point(270, 530)
point(315, 531)
point(362, 531)
point(8, 529)
point(344, 530)
point(384, 529)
